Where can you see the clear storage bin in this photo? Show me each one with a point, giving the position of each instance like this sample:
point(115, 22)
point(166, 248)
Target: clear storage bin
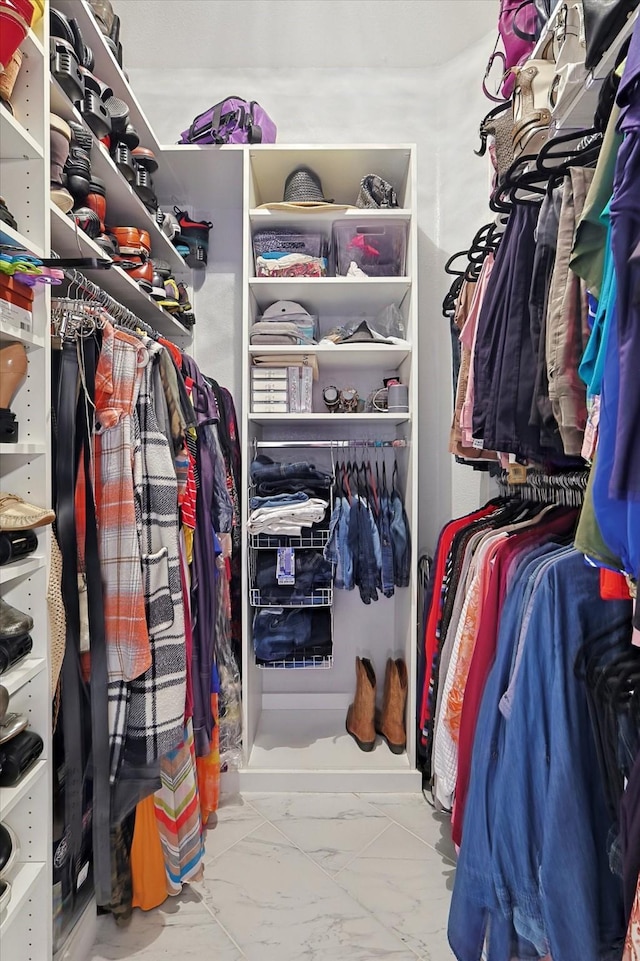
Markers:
point(290, 253)
point(378, 248)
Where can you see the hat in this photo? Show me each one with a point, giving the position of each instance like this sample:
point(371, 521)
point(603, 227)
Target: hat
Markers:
point(303, 186)
point(284, 310)
point(363, 334)
point(303, 192)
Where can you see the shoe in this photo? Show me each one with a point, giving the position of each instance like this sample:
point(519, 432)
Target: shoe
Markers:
point(60, 139)
point(16, 545)
point(168, 223)
point(132, 241)
point(6, 217)
point(119, 113)
point(145, 158)
point(390, 721)
point(5, 895)
point(13, 650)
point(77, 172)
point(12, 724)
point(13, 372)
point(9, 849)
point(123, 159)
point(18, 755)
point(183, 299)
point(18, 515)
point(108, 244)
point(4, 702)
point(157, 283)
point(360, 716)
point(13, 623)
point(96, 200)
point(88, 222)
point(171, 299)
point(66, 68)
point(143, 186)
point(194, 234)
point(8, 78)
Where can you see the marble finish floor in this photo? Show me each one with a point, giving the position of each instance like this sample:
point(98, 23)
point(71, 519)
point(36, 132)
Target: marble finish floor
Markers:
point(305, 877)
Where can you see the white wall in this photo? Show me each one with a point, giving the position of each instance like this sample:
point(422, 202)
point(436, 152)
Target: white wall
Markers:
point(438, 107)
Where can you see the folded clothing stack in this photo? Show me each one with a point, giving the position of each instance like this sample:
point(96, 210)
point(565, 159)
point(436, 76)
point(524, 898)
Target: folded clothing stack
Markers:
point(271, 477)
point(290, 253)
point(287, 518)
point(295, 633)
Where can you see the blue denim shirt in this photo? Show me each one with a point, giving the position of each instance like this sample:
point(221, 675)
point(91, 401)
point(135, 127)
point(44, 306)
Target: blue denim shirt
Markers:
point(536, 789)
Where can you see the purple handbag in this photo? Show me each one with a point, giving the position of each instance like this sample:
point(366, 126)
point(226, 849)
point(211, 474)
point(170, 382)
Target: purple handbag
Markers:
point(231, 121)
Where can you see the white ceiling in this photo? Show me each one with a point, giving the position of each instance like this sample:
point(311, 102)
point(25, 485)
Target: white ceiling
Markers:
point(175, 34)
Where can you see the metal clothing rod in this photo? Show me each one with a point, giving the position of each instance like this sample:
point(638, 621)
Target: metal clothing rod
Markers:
point(117, 310)
point(331, 443)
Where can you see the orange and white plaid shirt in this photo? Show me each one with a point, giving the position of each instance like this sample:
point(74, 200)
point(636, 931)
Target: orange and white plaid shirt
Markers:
point(118, 377)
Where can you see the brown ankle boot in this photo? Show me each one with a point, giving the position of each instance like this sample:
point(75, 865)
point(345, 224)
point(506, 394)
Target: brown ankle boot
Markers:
point(361, 713)
point(390, 721)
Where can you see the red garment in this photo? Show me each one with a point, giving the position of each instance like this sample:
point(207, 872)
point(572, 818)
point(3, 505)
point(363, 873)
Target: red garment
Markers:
point(449, 531)
point(175, 352)
point(485, 649)
point(613, 586)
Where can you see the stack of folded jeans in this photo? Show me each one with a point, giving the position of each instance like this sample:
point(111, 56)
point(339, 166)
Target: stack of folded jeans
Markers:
point(272, 478)
point(298, 633)
point(312, 573)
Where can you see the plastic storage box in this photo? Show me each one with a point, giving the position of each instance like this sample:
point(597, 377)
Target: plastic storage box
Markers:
point(290, 253)
point(378, 248)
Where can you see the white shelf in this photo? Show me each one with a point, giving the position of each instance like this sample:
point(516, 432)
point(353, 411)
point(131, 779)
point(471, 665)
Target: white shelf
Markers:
point(66, 240)
point(8, 235)
point(315, 418)
point(10, 796)
point(329, 294)
point(22, 449)
point(340, 357)
point(19, 569)
point(16, 143)
point(22, 673)
point(23, 883)
point(32, 46)
point(10, 333)
point(124, 207)
point(262, 217)
point(291, 746)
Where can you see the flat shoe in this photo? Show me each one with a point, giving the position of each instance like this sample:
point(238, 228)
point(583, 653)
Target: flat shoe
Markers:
point(9, 850)
point(17, 515)
point(13, 623)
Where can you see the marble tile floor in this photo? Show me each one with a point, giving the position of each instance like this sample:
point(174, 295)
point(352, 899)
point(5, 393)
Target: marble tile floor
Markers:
point(305, 877)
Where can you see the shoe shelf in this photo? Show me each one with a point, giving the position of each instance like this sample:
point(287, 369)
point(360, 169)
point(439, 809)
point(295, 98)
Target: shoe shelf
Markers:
point(330, 293)
point(11, 334)
point(341, 357)
point(9, 235)
point(20, 569)
point(69, 241)
point(22, 450)
point(313, 418)
point(108, 69)
point(124, 207)
point(16, 143)
point(32, 46)
point(11, 796)
point(22, 673)
point(24, 880)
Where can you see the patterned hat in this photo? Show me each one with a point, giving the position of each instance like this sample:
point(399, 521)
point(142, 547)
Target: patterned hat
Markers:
point(303, 187)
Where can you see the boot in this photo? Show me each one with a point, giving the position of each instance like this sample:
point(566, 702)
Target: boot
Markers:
point(361, 713)
point(390, 721)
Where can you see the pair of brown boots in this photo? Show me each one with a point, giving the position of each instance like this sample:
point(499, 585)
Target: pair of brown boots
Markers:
point(364, 721)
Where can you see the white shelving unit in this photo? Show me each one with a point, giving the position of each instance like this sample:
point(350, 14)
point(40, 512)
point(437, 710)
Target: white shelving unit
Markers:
point(25, 469)
point(294, 719)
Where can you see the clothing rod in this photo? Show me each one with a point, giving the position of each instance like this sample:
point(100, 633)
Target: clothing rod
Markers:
point(119, 312)
point(331, 443)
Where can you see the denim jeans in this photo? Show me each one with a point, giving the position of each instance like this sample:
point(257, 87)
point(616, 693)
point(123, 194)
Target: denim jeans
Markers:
point(337, 550)
point(312, 571)
point(364, 544)
point(272, 478)
point(386, 546)
point(279, 633)
point(278, 500)
point(400, 540)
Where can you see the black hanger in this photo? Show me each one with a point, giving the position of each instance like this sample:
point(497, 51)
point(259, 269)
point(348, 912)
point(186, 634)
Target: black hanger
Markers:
point(495, 112)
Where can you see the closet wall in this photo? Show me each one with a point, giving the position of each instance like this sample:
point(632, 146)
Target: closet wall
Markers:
point(331, 83)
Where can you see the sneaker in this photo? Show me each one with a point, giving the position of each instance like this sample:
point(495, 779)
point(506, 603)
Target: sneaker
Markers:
point(171, 300)
point(195, 235)
point(168, 223)
point(88, 222)
point(6, 217)
point(183, 299)
point(9, 851)
point(13, 623)
point(17, 515)
point(12, 724)
point(5, 895)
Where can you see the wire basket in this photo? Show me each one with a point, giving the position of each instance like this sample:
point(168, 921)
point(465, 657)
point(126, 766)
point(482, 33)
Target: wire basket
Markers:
point(322, 597)
point(299, 662)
